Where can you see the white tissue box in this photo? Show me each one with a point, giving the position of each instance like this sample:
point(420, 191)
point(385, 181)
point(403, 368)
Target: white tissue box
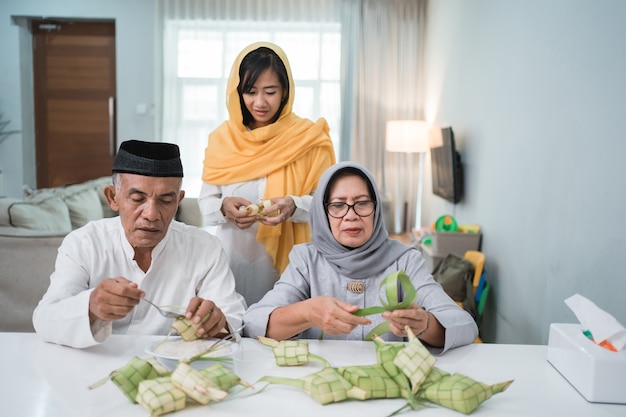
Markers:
point(595, 372)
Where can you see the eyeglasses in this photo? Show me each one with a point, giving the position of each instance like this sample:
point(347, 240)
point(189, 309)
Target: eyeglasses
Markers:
point(361, 208)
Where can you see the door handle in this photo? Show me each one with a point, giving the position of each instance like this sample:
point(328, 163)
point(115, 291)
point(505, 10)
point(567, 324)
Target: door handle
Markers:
point(111, 126)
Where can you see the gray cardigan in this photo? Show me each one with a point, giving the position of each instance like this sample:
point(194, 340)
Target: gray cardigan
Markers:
point(309, 275)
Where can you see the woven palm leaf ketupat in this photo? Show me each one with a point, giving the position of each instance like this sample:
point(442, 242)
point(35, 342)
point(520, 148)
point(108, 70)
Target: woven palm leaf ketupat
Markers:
point(223, 377)
point(291, 352)
point(325, 386)
point(403, 370)
point(187, 329)
point(373, 379)
point(415, 361)
point(160, 396)
point(328, 386)
point(460, 392)
point(128, 377)
point(385, 355)
point(457, 392)
point(196, 384)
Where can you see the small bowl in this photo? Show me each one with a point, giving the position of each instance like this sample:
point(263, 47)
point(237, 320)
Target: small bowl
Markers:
point(174, 349)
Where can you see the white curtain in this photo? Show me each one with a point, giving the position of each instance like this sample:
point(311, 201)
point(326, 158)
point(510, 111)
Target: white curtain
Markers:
point(383, 50)
point(251, 10)
point(201, 39)
point(380, 76)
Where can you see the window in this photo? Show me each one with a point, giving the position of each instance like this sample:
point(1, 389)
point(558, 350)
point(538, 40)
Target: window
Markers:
point(198, 56)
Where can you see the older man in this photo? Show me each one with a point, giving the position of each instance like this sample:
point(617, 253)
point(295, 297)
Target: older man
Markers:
point(105, 268)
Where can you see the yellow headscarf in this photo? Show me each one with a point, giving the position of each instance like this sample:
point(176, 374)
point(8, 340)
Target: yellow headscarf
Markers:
point(292, 153)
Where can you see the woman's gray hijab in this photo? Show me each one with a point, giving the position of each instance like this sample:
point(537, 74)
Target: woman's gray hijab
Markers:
point(368, 260)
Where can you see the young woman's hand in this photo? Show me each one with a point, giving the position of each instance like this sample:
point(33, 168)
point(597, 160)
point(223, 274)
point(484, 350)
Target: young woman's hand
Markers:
point(285, 207)
point(240, 218)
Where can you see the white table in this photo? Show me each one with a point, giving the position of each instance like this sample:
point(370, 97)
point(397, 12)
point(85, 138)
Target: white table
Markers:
point(40, 379)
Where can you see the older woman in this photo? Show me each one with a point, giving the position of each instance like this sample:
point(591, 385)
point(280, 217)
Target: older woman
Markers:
point(340, 272)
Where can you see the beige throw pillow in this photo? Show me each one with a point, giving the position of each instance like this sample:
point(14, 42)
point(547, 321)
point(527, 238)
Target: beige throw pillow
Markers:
point(99, 184)
point(83, 204)
point(50, 213)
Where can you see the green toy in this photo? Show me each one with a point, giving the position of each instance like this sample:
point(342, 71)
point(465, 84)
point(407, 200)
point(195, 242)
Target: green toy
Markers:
point(446, 223)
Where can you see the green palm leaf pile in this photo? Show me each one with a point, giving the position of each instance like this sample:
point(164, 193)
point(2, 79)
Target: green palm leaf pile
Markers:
point(160, 391)
point(402, 371)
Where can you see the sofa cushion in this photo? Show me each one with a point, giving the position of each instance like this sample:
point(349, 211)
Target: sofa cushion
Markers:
point(42, 210)
point(189, 212)
point(5, 203)
point(42, 213)
point(99, 184)
point(27, 263)
point(82, 202)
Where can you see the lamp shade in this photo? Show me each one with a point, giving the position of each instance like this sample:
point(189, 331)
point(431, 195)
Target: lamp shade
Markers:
point(410, 136)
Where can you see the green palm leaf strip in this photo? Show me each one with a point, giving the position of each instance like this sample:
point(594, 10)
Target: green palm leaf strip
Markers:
point(389, 287)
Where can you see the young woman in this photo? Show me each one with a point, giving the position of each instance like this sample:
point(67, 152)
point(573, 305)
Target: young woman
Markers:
point(264, 152)
point(340, 271)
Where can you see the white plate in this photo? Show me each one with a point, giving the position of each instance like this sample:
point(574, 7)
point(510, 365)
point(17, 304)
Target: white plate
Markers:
point(175, 349)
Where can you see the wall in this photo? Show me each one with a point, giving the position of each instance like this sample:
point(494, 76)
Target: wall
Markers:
point(534, 92)
point(135, 33)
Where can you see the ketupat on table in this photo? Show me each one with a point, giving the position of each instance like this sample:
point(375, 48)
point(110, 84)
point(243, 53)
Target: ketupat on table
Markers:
point(42, 379)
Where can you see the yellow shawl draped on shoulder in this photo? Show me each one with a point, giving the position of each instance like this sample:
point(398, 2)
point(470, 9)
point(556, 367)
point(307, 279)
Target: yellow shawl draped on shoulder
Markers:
point(292, 153)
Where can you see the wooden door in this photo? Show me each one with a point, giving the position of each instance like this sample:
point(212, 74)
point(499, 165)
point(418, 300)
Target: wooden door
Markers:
point(74, 83)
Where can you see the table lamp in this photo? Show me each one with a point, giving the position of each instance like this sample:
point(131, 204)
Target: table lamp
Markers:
point(407, 137)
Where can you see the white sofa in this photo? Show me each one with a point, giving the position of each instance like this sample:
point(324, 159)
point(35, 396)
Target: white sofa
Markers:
point(31, 231)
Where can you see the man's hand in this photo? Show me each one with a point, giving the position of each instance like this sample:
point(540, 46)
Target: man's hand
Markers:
point(113, 299)
point(216, 323)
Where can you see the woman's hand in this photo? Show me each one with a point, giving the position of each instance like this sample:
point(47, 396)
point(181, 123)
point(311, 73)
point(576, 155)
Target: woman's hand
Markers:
point(241, 218)
point(286, 207)
point(333, 316)
point(214, 325)
point(414, 316)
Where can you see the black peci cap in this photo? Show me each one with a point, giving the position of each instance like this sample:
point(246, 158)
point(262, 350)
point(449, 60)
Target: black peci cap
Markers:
point(152, 159)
